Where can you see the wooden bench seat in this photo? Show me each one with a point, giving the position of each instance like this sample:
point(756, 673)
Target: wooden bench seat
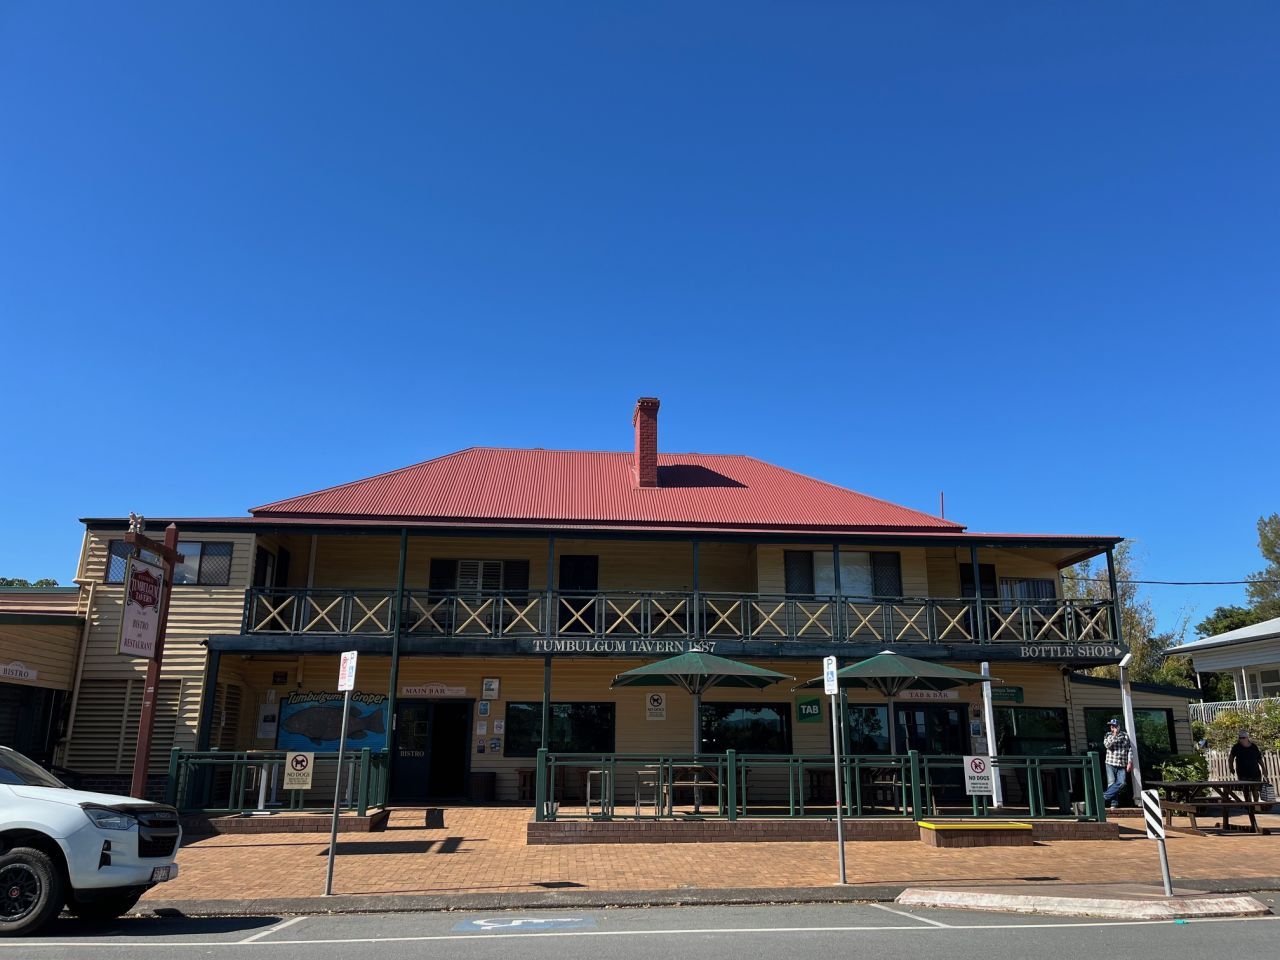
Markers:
point(1220, 808)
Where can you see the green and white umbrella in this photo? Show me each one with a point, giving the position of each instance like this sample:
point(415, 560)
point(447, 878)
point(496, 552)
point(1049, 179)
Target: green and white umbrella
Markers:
point(696, 672)
point(891, 673)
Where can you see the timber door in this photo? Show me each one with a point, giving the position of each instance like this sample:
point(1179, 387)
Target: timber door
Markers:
point(411, 756)
point(431, 757)
point(578, 582)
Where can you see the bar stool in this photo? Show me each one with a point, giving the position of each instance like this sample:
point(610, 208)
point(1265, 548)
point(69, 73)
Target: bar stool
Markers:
point(649, 778)
point(604, 778)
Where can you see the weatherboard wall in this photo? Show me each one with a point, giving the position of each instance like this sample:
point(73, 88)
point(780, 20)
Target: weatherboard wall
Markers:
point(48, 649)
point(105, 724)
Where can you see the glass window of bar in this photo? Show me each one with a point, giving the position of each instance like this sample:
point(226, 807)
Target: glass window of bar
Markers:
point(746, 727)
point(1032, 731)
point(575, 728)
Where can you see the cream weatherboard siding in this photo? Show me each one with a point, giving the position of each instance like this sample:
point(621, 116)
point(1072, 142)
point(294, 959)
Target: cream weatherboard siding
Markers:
point(105, 724)
point(1089, 696)
point(354, 562)
point(48, 649)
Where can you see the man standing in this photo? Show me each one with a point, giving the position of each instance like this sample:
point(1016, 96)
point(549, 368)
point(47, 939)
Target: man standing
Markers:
point(1245, 761)
point(1119, 761)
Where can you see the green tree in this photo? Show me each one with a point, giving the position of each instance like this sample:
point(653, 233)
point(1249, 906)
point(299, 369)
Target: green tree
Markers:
point(1228, 618)
point(1264, 586)
point(1088, 581)
point(19, 582)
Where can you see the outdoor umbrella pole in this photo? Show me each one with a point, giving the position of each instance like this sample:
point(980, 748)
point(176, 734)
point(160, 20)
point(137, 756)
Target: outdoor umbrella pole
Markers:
point(697, 723)
point(697, 742)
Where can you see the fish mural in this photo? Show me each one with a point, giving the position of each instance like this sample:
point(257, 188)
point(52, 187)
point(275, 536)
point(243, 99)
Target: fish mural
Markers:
point(308, 725)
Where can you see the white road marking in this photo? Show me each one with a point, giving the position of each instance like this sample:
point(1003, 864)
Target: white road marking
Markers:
point(749, 931)
point(271, 929)
point(909, 916)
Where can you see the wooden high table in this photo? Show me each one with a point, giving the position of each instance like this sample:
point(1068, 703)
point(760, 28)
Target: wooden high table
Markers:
point(1209, 797)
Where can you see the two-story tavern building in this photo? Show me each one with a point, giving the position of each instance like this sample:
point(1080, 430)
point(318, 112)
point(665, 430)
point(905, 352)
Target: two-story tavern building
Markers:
point(478, 584)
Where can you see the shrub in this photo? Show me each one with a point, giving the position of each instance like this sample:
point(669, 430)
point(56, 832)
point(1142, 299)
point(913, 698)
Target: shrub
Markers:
point(1186, 766)
point(1262, 722)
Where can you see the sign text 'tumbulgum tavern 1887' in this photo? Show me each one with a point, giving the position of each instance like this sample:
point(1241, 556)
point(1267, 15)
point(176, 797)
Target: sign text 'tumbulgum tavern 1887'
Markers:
point(639, 647)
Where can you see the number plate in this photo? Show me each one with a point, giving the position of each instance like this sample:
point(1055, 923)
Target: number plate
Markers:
point(160, 874)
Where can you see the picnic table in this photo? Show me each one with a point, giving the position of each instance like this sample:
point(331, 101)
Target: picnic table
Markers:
point(695, 777)
point(1212, 797)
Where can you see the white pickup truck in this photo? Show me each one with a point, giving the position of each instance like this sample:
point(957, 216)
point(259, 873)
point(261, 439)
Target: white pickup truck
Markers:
point(93, 853)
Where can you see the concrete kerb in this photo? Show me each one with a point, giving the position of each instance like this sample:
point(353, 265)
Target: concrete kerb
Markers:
point(1170, 908)
point(571, 899)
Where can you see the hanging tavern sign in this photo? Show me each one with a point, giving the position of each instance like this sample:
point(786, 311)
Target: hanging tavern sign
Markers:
point(140, 618)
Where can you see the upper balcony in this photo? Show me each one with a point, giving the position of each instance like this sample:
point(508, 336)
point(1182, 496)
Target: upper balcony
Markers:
point(622, 622)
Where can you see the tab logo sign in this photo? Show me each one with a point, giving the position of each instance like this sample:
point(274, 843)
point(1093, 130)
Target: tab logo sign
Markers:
point(977, 776)
point(809, 710)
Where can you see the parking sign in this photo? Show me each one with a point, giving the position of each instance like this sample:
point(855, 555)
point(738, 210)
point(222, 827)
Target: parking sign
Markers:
point(830, 685)
point(347, 671)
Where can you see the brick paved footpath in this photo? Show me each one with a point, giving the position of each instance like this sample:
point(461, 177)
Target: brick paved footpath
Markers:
point(482, 850)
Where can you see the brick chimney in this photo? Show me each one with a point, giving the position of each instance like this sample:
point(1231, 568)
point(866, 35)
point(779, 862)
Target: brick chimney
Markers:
point(646, 424)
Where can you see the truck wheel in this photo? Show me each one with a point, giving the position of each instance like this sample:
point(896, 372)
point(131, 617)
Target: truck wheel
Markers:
point(30, 891)
point(105, 904)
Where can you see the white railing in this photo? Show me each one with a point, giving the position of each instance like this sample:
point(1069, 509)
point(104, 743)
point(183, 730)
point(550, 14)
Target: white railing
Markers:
point(1206, 712)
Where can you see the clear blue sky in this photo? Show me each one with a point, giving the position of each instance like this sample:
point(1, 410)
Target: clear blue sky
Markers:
point(1023, 253)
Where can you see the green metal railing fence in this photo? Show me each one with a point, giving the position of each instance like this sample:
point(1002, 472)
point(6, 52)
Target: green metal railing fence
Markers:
point(733, 786)
point(226, 782)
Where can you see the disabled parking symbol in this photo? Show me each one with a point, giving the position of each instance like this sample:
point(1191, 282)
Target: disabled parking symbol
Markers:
point(523, 924)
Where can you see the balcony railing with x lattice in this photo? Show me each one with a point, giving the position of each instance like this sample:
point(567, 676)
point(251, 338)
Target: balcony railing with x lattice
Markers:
point(678, 616)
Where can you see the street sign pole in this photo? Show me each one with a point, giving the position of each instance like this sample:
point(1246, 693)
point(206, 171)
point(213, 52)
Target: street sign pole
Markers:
point(832, 687)
point(168, 553)
point(1154, 817)
point(346, 682)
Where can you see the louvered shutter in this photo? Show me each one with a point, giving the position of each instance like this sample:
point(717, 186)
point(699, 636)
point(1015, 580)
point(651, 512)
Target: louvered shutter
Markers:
point(105, 735)
point(798, 566)
point(886, 574)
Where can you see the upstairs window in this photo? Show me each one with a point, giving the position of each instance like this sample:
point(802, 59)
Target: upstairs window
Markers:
point(203, 563)
point(862, 574)
point(479, 577)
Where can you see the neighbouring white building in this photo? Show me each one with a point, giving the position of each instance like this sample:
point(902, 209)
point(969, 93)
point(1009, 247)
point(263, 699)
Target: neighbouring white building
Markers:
point(1250, 655)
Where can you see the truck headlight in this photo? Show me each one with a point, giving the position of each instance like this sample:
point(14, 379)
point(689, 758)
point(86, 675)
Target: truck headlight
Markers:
point(109, 819)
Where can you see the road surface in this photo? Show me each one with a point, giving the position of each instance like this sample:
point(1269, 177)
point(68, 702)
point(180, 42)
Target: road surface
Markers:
point(884, 931)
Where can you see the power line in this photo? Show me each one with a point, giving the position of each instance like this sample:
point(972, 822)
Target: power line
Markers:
point(1173, 583)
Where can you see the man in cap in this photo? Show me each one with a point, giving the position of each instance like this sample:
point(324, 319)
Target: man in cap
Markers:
point(1119, 761)
point(1245, 760)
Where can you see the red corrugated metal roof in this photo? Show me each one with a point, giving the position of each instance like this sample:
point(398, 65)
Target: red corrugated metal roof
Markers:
point(579, 487)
